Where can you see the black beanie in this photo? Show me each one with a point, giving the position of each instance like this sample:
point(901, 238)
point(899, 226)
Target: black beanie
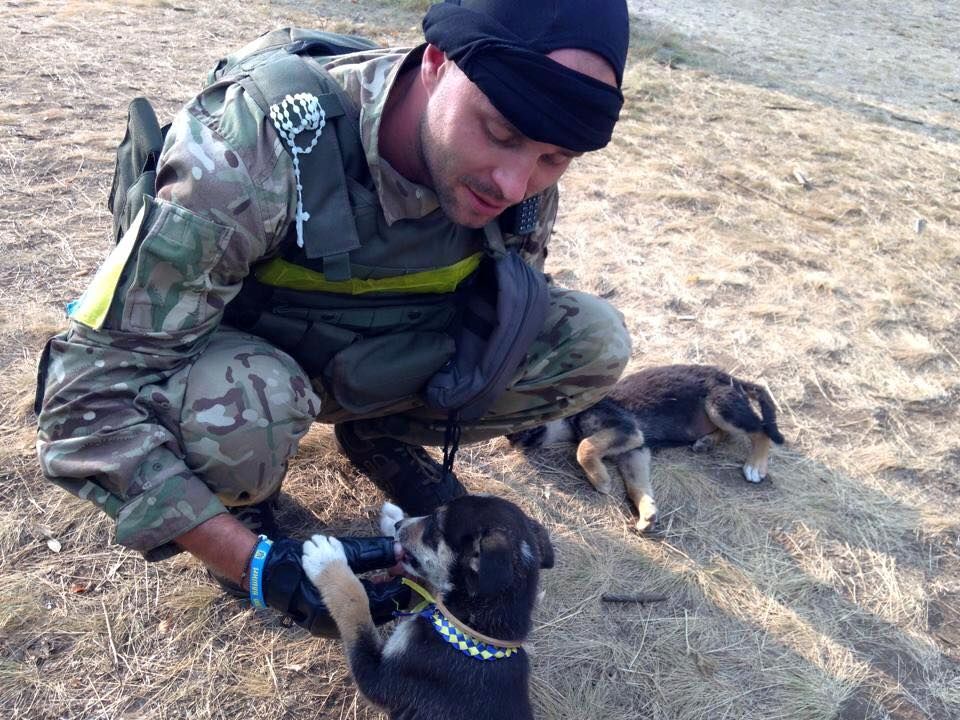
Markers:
point(501, 45)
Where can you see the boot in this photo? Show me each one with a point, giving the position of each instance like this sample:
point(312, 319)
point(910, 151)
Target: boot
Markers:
point(405, 473)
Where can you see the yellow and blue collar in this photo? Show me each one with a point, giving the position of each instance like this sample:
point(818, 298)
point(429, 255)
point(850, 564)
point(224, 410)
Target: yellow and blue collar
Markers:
point(462, 637)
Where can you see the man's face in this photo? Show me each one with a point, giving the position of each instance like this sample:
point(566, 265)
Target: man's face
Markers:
point(477, 162)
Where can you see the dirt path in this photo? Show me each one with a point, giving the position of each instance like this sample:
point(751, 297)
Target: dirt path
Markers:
point(892, 61)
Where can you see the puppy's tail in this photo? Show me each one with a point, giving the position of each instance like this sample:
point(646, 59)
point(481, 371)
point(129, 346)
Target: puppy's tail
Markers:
point(768, 412)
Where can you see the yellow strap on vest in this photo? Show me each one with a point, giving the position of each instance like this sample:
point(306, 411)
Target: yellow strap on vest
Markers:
point(281, 273)
point(91, 310)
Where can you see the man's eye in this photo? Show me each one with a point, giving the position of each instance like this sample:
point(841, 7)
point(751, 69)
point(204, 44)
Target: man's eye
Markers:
point(501, 137)
point(555, 160)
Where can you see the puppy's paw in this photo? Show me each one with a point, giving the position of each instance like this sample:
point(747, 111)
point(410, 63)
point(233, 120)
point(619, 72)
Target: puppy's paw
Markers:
point(648, 516)
point(319, 552)
point(753, 473)
point(705, 444)
point(390, 515)
point(603, 486)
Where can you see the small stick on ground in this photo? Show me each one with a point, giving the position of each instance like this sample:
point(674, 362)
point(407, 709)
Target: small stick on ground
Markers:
point(640, 599)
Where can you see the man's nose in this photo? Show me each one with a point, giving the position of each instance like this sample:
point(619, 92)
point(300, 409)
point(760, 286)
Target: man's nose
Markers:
point(513, 179)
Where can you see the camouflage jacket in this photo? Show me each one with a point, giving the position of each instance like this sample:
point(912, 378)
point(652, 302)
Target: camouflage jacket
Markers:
point(226, 195)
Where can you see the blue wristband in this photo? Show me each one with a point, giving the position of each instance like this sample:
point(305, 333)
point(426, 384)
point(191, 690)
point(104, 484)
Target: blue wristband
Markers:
point(257, 561)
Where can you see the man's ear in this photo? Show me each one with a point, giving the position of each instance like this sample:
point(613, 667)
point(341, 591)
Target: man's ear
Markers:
point(432, 67)
point(543, 544)
point(495, 564)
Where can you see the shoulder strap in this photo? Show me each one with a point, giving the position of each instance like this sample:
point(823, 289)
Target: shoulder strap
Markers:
point(333, 232)
point(277, 66)
point(503, 311)
point(294, 40)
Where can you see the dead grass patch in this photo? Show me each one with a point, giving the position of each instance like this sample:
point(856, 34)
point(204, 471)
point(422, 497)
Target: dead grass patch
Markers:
point(828, 592)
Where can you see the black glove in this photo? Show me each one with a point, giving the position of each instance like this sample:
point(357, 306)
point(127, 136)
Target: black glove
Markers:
point(368, 553)
point(287, 588)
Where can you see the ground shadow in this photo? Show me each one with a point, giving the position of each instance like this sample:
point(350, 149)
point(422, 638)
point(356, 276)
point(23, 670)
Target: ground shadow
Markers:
point(898, 667)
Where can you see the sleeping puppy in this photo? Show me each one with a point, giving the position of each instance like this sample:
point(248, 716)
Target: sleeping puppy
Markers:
point(660, 407)
point(462, 656)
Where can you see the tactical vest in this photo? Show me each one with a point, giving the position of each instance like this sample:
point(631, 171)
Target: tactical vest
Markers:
point(376, 313)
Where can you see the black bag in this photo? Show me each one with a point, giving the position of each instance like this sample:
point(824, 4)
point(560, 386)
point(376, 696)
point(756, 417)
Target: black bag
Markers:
point(135, 172)
point(503, 313)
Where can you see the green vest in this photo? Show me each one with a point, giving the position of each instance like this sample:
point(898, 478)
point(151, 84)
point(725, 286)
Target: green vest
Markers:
point(368, 309)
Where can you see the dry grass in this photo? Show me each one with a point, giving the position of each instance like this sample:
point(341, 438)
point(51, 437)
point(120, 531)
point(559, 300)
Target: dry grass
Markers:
point(829, 592)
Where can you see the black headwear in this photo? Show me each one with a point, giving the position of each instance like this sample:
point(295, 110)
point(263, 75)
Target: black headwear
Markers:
point(501, 45)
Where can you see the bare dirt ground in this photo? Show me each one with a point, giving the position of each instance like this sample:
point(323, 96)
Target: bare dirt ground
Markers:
point(789, 240)
point(890, 61)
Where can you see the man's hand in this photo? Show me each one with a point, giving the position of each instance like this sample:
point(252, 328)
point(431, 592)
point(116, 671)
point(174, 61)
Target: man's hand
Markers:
point(224, 545)
point(287, 588)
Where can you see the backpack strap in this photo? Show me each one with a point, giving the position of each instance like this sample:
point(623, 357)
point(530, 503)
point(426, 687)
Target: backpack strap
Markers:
point(504, 309)
point(333, 231)
point(294, 40)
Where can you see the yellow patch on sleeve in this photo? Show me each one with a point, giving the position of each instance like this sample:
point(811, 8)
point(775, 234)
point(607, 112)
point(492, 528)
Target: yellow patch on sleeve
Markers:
point(92, 308)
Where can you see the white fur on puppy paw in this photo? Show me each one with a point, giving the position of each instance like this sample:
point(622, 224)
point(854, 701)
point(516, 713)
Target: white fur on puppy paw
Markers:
point(648, 516)
point(319, 552)
point(752, 473)
point(390, 515)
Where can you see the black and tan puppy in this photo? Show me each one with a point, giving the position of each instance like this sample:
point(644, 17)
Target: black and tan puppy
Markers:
point(661, 407)
point(462, 656)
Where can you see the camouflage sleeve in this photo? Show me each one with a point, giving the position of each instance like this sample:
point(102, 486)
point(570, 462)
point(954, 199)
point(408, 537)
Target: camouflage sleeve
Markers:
point(534, 246)
point(115, 380)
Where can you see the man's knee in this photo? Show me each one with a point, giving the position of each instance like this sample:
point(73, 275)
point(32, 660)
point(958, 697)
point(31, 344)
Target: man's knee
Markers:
point(584, 345)
point(573, 363)
point(246, 406)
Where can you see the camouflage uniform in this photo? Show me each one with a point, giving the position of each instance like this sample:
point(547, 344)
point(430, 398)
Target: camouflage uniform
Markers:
point(162, 417)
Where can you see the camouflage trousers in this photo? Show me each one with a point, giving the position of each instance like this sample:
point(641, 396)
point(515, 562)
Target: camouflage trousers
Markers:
point(247, 403)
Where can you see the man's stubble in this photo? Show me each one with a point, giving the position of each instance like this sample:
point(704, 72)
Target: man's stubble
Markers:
point(439, 166)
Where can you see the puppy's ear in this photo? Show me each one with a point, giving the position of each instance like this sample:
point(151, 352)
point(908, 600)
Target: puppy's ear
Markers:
point(543, 544)
point(495, 564)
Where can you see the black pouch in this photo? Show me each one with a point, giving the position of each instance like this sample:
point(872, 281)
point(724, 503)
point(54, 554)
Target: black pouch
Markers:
point(135, 172)
point(312, 344)
point(501, 317)
point(369, 352)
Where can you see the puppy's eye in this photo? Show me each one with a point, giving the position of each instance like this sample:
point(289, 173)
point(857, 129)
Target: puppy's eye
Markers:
point(469, 544)
point(431, 533)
